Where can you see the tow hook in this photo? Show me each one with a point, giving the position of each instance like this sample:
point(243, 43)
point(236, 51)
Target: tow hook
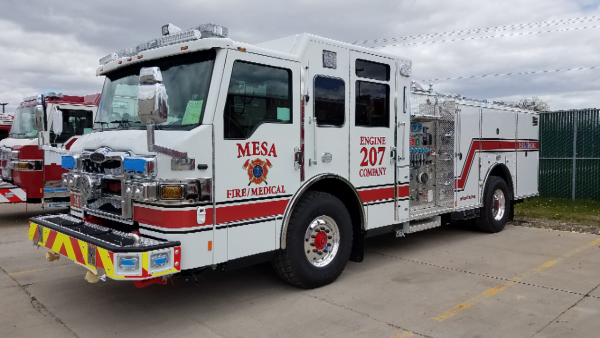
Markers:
point(143, 283)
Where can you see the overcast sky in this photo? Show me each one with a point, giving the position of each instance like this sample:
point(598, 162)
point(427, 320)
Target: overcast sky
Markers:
point(55, 45)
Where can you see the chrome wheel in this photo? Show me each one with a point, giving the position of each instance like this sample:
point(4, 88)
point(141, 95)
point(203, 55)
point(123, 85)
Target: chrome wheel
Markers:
point(321, 241)
point(498, 205)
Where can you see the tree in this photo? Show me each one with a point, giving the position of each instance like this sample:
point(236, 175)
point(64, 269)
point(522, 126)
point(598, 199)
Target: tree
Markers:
point(535, 103)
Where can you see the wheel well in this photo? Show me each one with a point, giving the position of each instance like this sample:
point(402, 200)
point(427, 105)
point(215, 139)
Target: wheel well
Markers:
point(345, 193)
point(343, 190)
point(502, 171)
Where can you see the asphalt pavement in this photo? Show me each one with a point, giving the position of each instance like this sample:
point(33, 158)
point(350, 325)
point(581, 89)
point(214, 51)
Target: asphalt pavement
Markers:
point(445, 282)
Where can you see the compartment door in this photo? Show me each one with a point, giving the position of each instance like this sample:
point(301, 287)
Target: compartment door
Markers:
point(372, 135)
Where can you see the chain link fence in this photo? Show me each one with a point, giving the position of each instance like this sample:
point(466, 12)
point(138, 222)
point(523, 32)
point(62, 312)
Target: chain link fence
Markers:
point(570, 154)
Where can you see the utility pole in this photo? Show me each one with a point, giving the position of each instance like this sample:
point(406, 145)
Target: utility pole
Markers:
point(3, 104)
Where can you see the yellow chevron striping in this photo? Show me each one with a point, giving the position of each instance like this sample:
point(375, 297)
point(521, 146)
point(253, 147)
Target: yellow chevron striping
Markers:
point(32, 230)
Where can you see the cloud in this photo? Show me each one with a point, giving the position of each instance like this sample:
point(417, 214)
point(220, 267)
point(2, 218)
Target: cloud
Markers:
point(57, 44)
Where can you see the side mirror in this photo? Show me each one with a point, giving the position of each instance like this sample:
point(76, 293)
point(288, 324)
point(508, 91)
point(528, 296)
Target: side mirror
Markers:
point(152, 109)
point(57, 122)
point(152, 97)
point(39, 118)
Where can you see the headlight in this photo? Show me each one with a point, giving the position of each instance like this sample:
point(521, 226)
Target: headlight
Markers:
point(14, 154)
point(138, 192)
point(159, 260)
point(128, 190)
point(73, 181)
point(141, 191)
point(129, 263)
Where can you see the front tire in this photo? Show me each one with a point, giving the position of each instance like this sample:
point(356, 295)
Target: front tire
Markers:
point(496, 208)
point(318, 242)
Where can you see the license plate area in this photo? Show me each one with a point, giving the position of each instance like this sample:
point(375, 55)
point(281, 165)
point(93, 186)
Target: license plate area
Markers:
point(76, 201)
point(40, 234)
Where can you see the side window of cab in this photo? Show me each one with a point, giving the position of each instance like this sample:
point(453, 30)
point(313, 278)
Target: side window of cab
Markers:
point(257, 94)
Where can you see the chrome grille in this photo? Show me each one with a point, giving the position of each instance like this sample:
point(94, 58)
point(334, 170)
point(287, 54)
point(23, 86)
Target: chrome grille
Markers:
point(108, 167)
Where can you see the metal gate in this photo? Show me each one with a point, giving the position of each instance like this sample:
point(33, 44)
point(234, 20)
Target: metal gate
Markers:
point(570, 154)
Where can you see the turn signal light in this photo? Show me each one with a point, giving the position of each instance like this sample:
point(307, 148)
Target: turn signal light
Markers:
point(172, 192)
point(22, 165)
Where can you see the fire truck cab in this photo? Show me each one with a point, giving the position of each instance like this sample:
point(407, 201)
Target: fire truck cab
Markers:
point(44, 128)
point(293, 150)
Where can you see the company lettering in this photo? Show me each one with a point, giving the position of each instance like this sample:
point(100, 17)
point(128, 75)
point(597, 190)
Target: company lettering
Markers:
point(372, 141)
point(469, 197)
point(259, 191)
point(371, 172)
point(256, 149)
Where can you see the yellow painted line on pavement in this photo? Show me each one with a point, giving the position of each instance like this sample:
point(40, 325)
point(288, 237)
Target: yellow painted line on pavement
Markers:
point(546, 265)
point(404, 334)
point(594, 242)
point(36, 270)
point(499, 288)
point(453, 311)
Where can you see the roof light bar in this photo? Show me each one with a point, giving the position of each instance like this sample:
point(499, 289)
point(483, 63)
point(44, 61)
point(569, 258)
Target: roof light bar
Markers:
point(170, 28)
point(180, 37)
point(108, 58)
point(210, 30)
point(171, 35)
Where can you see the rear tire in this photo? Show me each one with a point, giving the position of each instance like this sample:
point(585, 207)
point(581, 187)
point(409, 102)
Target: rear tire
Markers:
point(496, 208)
point(318, 242)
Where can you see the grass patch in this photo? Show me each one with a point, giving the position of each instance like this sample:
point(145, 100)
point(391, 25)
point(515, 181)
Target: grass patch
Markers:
point(579, 211)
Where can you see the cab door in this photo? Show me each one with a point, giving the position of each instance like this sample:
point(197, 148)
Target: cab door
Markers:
point(327, 124)
point(256, 131)
point(372, 135)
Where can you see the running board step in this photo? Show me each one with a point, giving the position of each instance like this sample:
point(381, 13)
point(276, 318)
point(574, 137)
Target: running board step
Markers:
point(416, 226)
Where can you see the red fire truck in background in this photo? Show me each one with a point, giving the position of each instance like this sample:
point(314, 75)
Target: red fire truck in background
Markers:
point(6, 120)
point(44, 128)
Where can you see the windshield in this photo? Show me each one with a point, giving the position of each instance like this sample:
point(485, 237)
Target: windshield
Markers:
point(24, 124)
point(186, 79)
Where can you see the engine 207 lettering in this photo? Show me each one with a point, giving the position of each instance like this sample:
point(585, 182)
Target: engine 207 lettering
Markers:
point(372, 157)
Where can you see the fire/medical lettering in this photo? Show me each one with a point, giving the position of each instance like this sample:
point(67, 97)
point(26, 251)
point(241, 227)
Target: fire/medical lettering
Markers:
point(253, 192)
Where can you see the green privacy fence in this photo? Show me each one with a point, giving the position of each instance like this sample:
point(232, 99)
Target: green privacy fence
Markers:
point(570, 154)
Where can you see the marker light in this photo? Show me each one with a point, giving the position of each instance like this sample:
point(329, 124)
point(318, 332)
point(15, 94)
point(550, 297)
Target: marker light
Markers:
point(159, 260)
point(128, 263)
point(68, 162)
point(140, 165)
point(171, 192)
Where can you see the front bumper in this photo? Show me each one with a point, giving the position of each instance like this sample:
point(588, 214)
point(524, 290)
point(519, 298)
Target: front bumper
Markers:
point(10, 193)
point(100, 249)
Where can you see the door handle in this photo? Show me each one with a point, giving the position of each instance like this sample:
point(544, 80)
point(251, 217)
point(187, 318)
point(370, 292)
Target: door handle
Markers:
point(403, 124)
point(298, 160)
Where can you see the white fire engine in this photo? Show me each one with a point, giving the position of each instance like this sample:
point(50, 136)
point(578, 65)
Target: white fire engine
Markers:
point(45, 127)
point(208, 152)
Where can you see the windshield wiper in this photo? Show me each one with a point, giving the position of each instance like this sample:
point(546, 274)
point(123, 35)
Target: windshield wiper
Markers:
point(101, 124)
